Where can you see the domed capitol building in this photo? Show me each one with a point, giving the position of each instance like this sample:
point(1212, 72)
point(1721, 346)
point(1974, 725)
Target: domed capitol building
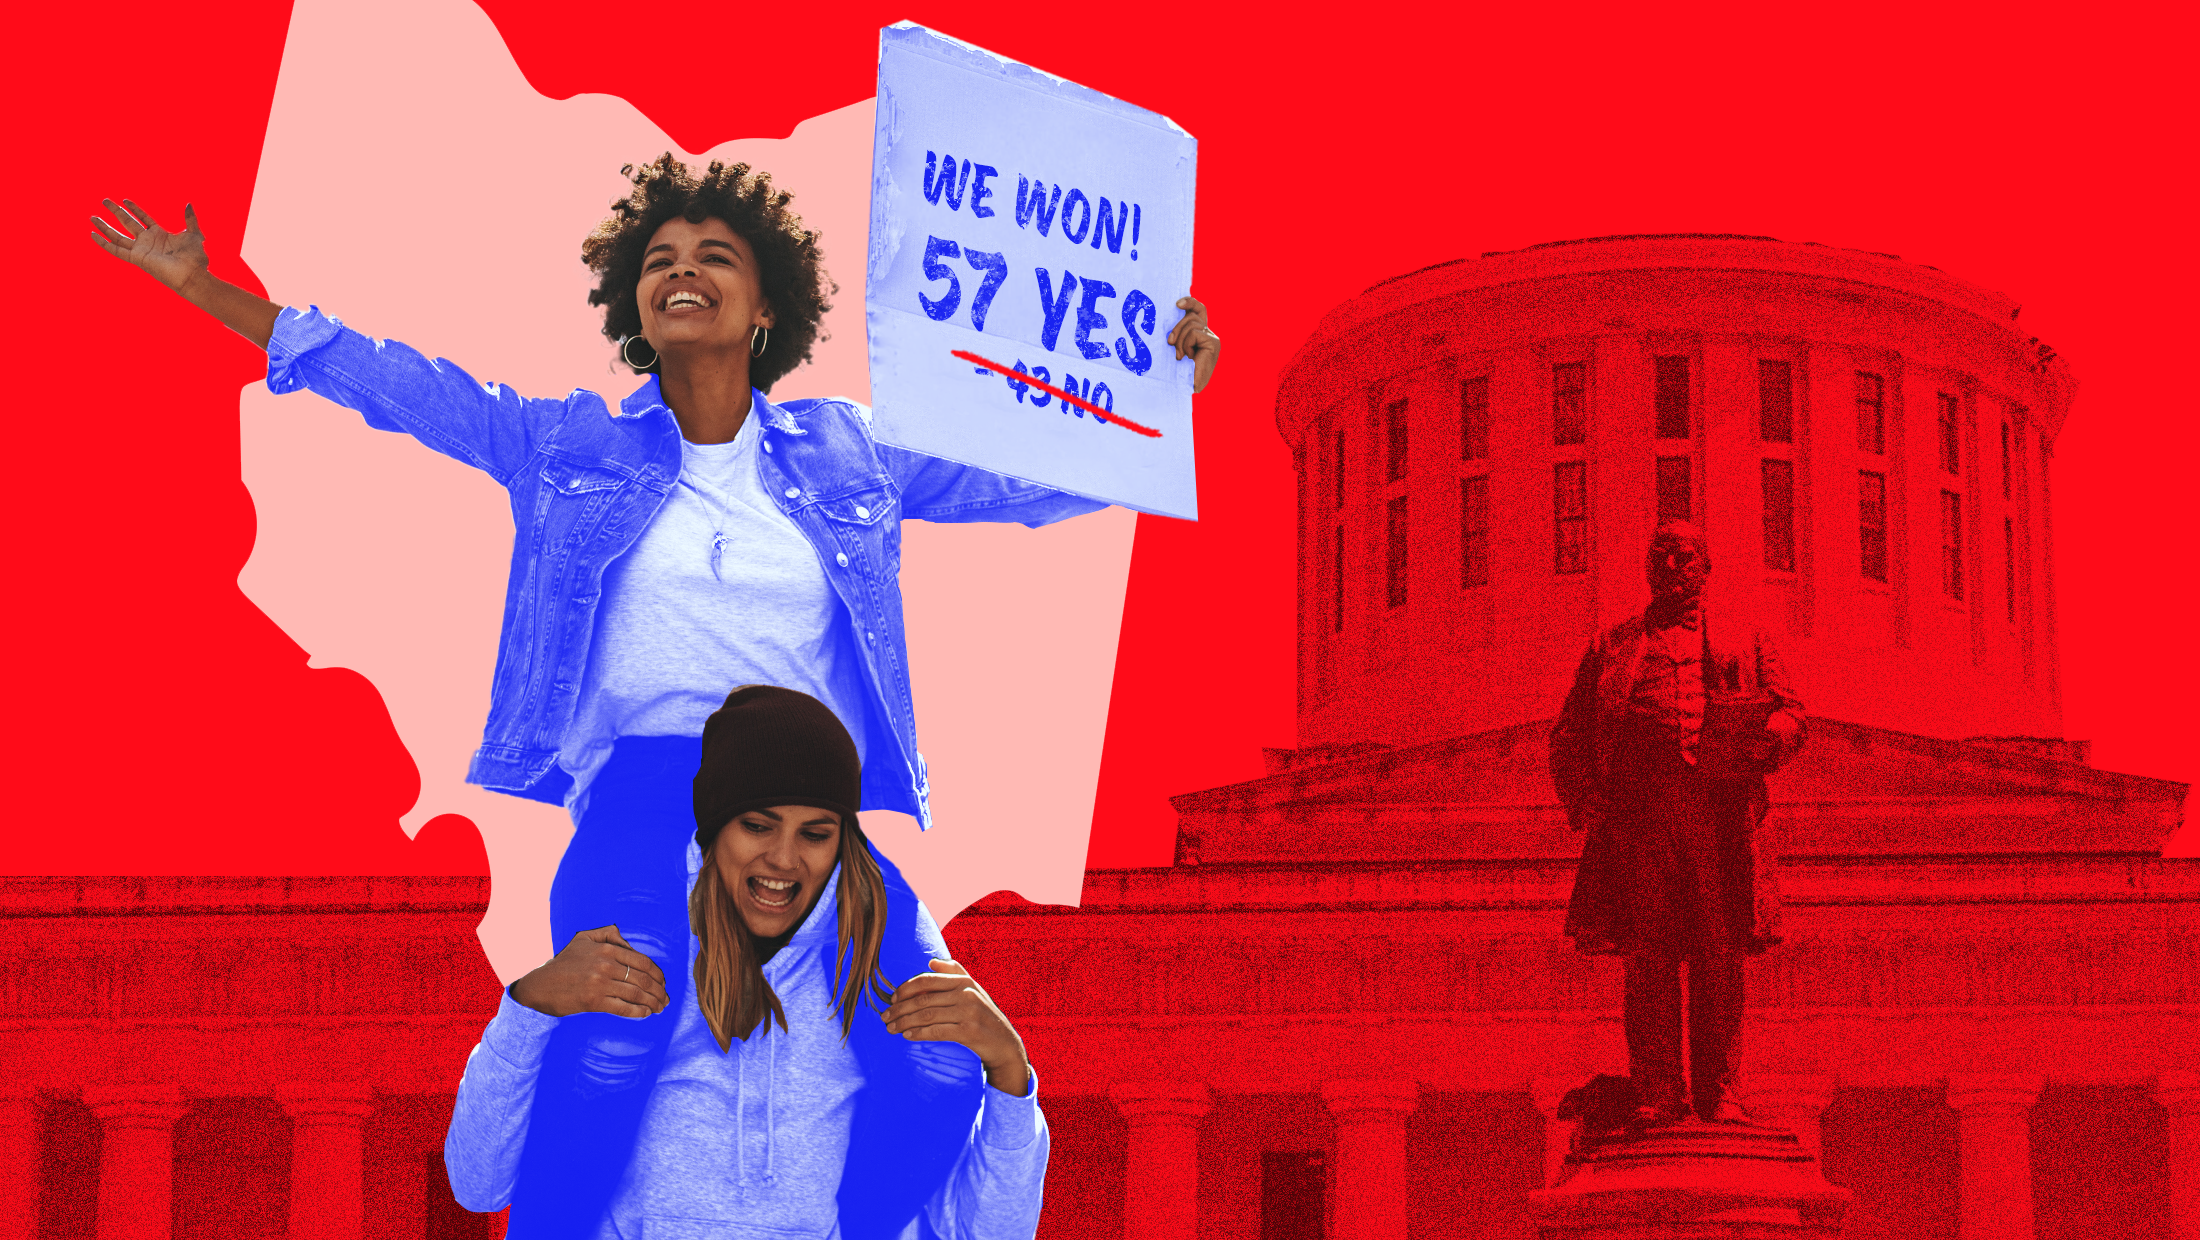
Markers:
point(1985, 1007)
point(1485, 445)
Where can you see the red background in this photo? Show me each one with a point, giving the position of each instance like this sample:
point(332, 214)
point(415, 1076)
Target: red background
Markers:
point(161, 724)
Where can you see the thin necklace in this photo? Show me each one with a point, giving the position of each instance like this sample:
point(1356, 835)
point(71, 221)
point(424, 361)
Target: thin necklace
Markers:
point(725, 514)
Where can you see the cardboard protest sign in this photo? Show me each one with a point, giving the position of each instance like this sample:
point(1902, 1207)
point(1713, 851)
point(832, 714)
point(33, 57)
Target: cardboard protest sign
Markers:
point(1029, 239)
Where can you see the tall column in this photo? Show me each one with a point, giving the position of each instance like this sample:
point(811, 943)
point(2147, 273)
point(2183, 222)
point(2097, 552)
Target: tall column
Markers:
point(22, 1149)
point(1995, 1186)
point(1371, 1156)
point(137, 1159)
point(1790, 1101)
point(328, 1127)
point(1558, 1134)
point(1161, 1175)
point(2179, 1094)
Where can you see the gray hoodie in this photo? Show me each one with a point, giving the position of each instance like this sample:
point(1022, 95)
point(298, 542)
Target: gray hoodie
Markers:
point(749, 1143)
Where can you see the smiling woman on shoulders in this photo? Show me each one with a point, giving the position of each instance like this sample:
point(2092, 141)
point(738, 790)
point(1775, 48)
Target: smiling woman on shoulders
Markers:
point(802, 1091)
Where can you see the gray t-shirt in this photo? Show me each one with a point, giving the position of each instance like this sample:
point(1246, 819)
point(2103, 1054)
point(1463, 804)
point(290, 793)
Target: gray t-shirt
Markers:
point(722, 590)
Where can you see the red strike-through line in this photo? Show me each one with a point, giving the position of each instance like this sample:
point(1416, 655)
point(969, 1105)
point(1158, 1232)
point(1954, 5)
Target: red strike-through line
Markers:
point(1067, 398)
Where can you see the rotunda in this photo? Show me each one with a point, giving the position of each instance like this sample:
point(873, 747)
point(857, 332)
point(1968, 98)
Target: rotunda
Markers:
point(1484, 445)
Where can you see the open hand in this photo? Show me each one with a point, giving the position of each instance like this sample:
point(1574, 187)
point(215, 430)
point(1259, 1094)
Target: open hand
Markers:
point(597, 972)
point(1192, 338)
point(171, 258)
point(948, 1005)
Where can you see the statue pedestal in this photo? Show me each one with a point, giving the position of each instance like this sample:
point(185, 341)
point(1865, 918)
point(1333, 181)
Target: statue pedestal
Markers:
point(1691, 1181)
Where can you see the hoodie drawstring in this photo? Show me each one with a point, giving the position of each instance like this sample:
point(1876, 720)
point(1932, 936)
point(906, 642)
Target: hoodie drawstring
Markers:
point(740, 1117)
point(771, 1114)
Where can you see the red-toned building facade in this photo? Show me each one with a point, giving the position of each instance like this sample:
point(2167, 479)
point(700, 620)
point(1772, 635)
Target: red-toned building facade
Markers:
point(1347, 1009)
point(229, 1058)
point(1987, 1004)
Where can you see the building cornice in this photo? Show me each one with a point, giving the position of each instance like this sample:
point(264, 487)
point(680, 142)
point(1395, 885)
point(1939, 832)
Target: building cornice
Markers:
point(207, 895)
point(1382, 331)
point(1360, 889)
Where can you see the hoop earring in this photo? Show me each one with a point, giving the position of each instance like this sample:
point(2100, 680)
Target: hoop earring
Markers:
point(626, 353)
point(760, 338)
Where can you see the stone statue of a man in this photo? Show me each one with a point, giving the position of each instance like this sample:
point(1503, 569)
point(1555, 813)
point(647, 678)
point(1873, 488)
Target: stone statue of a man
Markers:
point(1660, 755)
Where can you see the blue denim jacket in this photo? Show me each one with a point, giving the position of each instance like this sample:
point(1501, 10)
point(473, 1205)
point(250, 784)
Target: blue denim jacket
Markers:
point(586, 480)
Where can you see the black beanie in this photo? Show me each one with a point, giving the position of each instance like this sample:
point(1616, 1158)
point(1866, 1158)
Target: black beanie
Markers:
point(770, 746)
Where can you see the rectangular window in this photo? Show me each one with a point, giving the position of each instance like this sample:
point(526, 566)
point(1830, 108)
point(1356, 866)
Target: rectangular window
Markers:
point(1779, 481)
point(1338, 464)
point(1871, 523)
point(1292, 1204)
point(1394, 433)
point(1474, 419)
point(1951, 434)
point(1474, 531)
point(1336, 586)
point(1871, 413)
point(1395, 569)
point(2005, 460)
point(1775, 402)
point(1569, 402)
point(2009, 564)
point(1672, 399)
point(1570, 516)
point(1675, 501)
point(1951, 544)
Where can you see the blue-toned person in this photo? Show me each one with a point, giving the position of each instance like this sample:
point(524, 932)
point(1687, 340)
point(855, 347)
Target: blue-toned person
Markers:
point(696, 537)
point(831, 1073)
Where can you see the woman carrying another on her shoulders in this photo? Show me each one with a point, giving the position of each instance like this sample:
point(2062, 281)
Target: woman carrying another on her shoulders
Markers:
point(699, 536)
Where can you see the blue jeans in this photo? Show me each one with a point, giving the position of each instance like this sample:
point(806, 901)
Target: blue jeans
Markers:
point(627, 867)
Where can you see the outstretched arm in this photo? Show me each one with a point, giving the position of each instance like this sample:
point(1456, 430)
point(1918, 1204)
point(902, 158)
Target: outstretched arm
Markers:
point(936, 489)
point(178, 260)
point(485, 425)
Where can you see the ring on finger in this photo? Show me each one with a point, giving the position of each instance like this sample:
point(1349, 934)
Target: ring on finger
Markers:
point(629, 973)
